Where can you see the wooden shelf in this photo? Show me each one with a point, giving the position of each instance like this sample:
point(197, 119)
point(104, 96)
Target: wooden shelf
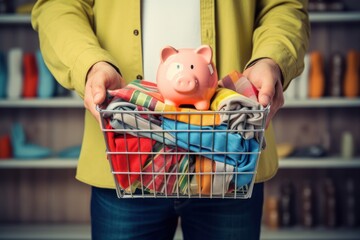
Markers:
point(56, 102)
point(322, 102)
point(15, 19)
point(298, 233)
point(316, 17)
point(48, 163)
point(56, 231)
point(68, 102)
point(310, 163)
point(83, 231)
point(313, 163)
point(326, 17)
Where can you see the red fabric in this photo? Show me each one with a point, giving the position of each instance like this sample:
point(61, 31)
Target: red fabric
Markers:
point(5, 147)
point(132, 163)
point(30, 76)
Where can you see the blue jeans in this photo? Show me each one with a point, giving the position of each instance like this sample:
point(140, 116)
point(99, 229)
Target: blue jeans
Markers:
point(114, 218)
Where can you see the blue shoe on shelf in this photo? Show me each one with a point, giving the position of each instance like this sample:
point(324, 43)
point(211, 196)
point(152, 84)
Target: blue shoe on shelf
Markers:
point(70, 152)
point(22, 149)
point(3, 75)
point(46, 82)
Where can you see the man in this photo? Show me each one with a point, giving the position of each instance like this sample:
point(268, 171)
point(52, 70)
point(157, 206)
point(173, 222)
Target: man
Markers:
point(92, 46)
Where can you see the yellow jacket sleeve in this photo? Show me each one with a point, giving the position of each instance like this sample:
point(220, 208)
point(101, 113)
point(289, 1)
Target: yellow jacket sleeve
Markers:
point(67, 40)
point(282, 33)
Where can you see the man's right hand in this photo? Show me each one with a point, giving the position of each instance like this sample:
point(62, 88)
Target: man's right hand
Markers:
point(101, 76)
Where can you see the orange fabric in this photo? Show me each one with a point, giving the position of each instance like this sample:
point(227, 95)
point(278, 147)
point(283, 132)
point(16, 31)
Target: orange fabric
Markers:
point(204, 165)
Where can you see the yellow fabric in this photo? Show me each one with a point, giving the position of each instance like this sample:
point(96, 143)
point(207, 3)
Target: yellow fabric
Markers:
point(71, 45)
point(222, 94)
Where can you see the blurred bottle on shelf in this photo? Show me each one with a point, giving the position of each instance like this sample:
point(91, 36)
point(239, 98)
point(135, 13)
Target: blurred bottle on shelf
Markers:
point(272, 212)
point(351, 77)
point(347, 145)
point(316, 76)
point(30, 74)
point(308, 205)
point(15, 73)
point(328, 5)
point(6, 6)
point(350, 206)
point(330, 210)
point(336, 75)
point(287, 205)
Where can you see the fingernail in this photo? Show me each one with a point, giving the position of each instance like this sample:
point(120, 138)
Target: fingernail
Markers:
point(264, 100)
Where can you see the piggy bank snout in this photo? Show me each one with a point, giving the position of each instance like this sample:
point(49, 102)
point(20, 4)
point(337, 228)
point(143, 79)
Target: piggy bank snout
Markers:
point(185, 84)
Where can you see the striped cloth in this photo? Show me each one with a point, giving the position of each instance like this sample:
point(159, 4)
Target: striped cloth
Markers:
point(145, 94)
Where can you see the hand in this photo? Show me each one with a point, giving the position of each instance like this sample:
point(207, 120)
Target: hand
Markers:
point(265, 75)
point(101, 76)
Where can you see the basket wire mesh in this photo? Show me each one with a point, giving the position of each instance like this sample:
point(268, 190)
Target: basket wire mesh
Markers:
point(157, 154)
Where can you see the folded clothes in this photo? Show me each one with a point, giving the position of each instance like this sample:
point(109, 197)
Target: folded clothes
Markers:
point(161, 171)
point(240, 84)
point(204, 181)
point(222, 142)
point(145, 163)
point(145, 94)
point(150, 124)
point(215, 183)
point(126, 164)
point(246, 116)
point(217, 144)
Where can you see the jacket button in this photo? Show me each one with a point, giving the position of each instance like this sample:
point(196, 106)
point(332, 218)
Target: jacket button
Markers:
point(139, 77)
point(136, 32)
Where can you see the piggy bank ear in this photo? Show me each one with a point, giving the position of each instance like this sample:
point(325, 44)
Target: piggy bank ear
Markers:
point(167, 52)
point(206, 52)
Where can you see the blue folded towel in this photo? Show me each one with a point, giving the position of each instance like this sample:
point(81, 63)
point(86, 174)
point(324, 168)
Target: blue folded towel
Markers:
point(217, 144)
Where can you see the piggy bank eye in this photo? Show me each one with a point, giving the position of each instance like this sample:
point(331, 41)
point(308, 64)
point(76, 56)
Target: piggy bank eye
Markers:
point(173, 69)
point(192, 66)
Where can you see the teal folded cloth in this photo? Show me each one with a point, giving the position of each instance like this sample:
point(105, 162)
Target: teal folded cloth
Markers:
point(218, 144)
point(3, 75)
point(46, 82)
point(24, 150)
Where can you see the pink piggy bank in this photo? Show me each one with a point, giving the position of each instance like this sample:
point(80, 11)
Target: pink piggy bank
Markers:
point(187, 76)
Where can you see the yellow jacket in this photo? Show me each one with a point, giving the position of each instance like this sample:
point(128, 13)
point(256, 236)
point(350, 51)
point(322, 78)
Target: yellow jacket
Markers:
point(76, 34)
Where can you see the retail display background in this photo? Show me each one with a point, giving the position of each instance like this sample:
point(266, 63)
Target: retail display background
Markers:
point(314, 195)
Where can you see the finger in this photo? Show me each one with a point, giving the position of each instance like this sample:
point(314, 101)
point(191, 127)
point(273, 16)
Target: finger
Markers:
point(266, 92)
point(277, 103)
point(98, 91)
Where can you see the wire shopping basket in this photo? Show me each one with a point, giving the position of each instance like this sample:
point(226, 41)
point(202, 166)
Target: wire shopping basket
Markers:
point(172, 154)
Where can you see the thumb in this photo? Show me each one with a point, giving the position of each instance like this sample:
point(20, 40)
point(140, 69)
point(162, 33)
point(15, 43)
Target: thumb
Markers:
point(266, 92)
point(98, 92)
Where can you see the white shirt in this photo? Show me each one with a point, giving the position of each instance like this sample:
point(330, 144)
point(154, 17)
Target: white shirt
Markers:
point(168, 22)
